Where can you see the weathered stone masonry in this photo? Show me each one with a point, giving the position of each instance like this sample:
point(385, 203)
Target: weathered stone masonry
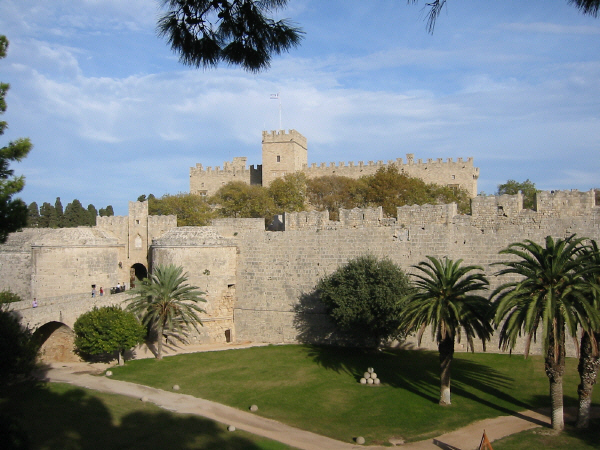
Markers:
point(276, 269)
point(255, 280)
point(287, 152)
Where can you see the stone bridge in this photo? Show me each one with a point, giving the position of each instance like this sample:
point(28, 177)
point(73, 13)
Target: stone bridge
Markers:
point(53, 320)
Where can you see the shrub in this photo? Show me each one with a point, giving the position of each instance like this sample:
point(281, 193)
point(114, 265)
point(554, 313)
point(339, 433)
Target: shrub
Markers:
point(103, 331)
point(364, 298)
point(7, 296)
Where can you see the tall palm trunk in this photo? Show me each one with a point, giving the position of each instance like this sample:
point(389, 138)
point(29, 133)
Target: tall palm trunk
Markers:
point(446, 349)
point(588, 372)
point(160, 342)
point(555, 369)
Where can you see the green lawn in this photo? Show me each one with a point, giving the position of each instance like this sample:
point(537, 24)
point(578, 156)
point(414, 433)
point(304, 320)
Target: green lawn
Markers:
point(63, 417)
point(571, 439)
point(317, 388)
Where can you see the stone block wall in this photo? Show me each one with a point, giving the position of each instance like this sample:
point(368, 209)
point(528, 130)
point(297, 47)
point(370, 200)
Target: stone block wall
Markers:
point(285, 152)
point(277, 272)
point(210, 262)
point(207, 181)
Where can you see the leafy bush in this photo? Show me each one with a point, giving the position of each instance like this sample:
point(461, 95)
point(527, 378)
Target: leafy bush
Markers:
point(9, 297)
point(106, 330)
point(365, 299)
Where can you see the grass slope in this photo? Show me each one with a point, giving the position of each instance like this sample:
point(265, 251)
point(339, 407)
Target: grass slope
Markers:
point(317, 388)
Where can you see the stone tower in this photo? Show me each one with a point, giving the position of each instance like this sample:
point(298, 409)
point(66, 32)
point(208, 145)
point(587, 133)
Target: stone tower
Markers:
point(282, 153)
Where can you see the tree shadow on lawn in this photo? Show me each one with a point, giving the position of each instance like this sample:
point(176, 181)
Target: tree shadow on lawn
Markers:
point(414, 370)
point(77, 419)
point(417, 371)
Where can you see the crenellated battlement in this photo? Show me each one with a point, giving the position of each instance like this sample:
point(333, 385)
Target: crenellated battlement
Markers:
point(285, 152)
point(280, 136)
point(486, 211)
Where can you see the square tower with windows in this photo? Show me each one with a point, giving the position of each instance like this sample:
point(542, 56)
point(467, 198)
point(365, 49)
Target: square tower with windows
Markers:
point(282, 153)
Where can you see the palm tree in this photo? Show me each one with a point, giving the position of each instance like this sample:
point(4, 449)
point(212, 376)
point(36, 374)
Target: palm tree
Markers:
point(166, 305)
point(589, 359)
point(445, 299)
point(549, 292)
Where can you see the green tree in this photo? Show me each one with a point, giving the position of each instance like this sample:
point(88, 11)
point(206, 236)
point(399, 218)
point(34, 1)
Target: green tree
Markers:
point(447, 300)
point(92, 214)
point(333, 192)
point(167, 305)
point(106, 212)
point(33, 215)
point(390, 189)
point(549, 292)
point(48, 216)
point(75, 215)
point(108, 330)
point(364, 298)
point(238, 199)
point(190, 209)
point(13, 211)
point(289, 193)
point(589, 359)
point(59, 213)
point(527, 188)
point(238, 32)
point(19, 351)
point(7, 296)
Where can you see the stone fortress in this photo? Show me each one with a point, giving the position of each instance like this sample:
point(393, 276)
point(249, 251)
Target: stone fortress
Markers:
point(286, 152)
point(260, 284)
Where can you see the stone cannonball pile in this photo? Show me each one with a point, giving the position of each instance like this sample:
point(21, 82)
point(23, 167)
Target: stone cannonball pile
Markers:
point(370, 377)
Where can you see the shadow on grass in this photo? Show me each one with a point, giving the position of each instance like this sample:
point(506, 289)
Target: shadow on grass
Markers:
point(417, 372)
point(75, 419)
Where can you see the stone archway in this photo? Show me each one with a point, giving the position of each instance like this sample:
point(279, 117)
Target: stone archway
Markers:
point(56, 341)
point(137, 272)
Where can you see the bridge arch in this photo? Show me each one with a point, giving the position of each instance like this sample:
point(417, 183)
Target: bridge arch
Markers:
point(56, 341)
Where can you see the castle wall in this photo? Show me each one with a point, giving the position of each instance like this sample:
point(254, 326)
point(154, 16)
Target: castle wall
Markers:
point(282, 154)
point(206, 182)
point(277, 272)
point(16, 263)
point(210, 262)
point(71, 260)
point(457, 173)
point(134, 232)
point(287, 152)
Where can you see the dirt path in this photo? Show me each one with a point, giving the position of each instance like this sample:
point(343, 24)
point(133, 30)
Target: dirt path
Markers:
point(467, 438)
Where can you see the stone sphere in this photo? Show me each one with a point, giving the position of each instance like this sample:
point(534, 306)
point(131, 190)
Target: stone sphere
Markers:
point(176, 387)
point(363, 381)
point(109, 373)
point(370, 381)
point(360, 440)
point(231, 428)
point(144, 399)
point(367, 375)
point(370, 370)
point(373, 375)
point(254, 408)
point(376, 381)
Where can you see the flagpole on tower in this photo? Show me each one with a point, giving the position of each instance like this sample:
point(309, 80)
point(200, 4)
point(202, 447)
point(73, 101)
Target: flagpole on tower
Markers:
point(277, 97)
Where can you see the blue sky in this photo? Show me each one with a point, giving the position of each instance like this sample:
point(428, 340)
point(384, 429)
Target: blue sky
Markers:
point(112, 113)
